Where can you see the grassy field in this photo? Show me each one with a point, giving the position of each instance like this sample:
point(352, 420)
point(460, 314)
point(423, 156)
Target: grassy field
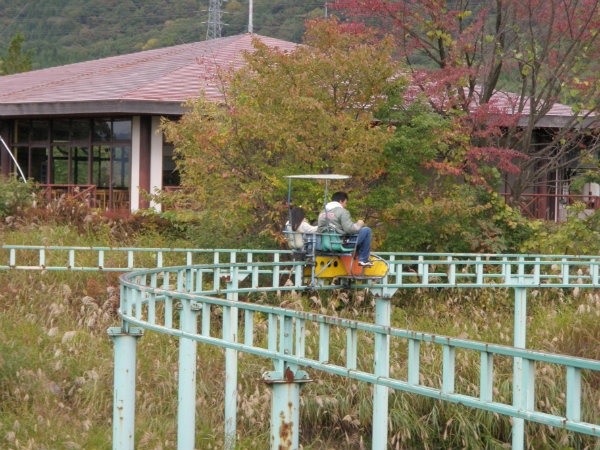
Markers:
point(56, 364)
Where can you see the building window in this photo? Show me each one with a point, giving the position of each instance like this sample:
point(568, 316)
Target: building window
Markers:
point(75, 151)
point(170, 173)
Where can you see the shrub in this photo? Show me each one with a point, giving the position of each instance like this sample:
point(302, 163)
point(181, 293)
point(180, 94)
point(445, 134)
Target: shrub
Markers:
point(14, 196)
point(579, 235)
point(464, 219)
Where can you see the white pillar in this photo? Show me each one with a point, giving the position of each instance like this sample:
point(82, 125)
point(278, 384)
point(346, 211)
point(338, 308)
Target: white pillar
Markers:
point(134, 195)
point(156, 160)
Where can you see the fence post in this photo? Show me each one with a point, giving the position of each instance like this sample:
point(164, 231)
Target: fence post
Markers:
point(186, 405)
point(124, 386)
point(230, 334)
point(381, 361)
point(285, 382)
point(519, 372)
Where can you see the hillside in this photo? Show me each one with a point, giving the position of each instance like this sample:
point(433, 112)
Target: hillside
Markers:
point(59, 32)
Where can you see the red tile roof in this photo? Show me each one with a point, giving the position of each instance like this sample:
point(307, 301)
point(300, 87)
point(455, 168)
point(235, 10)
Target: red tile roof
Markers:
point(507, 103)
point(157, 82)
point(149, 82)
point(558, 115)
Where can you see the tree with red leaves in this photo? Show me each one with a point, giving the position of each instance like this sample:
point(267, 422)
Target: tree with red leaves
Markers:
point(504, 70)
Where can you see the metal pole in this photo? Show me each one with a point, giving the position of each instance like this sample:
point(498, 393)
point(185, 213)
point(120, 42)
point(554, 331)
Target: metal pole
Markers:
point(285, 416)
point(519, 341)
point(124, 387)
point(381, 369)
point(230, 330)
point(250, 18)
point(285, 382)
point(186, 409)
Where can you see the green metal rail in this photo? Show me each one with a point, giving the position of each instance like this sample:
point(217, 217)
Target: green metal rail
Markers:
point(184, 301)
point(115, 259)
point(406, 269)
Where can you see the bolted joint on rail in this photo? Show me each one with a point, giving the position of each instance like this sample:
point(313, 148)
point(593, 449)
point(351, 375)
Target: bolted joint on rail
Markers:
point(288, 376)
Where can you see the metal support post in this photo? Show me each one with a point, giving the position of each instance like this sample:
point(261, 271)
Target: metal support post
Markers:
point(381, 357)
point(124, 386)
point(519, 385)
point(285, 407)
point(285, 382)
point(230, 332)
point(186, 409)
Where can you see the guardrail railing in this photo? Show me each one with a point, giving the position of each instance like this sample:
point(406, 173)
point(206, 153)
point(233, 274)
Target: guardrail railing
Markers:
point(184, 301)
point(118, 259)
point(195, 294)
point(405, 269)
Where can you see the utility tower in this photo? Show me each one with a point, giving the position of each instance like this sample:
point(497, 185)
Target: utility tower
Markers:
point(213, 30)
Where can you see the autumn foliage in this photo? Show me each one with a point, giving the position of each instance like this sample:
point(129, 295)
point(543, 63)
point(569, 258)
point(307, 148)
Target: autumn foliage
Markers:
point(498, 68)
point(340, 103)
point(310, 111)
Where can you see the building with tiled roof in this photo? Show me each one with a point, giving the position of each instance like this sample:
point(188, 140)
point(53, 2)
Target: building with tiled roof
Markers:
point(96, 123)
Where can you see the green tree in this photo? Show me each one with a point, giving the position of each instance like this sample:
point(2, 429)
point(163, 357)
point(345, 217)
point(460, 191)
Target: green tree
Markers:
point(309, 111)
point(417, 207)
point(15, 60)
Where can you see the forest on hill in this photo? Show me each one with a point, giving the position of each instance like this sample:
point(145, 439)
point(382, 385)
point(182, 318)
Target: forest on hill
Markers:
point(59, 32)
